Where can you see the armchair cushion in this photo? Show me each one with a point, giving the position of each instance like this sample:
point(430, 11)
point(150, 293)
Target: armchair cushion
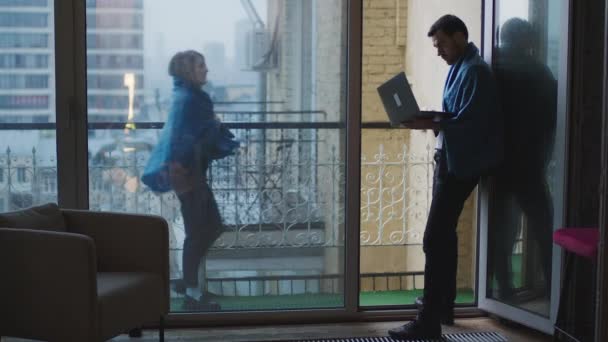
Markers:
point(48, 283)
point(43, 217)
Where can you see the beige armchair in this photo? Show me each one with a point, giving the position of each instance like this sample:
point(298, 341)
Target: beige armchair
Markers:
point(70, 275)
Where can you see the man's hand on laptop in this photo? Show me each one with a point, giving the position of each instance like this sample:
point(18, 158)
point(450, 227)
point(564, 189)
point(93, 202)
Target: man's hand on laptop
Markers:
point(421, 123)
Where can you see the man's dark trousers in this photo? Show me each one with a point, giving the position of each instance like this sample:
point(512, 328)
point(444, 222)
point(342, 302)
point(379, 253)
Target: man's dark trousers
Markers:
point(440, 242)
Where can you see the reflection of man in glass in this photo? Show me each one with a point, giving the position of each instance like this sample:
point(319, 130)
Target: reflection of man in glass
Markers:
point(191, 138)
point(469, 145)
point(529, 101)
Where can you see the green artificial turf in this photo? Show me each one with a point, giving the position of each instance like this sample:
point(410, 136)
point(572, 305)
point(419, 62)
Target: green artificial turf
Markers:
point(379, 298)
point(318, 301)
point(516, 268)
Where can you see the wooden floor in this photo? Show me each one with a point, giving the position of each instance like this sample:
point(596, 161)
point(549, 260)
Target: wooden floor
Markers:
point(320, 331)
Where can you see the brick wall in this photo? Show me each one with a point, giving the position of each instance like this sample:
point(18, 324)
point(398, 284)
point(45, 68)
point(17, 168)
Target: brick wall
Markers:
point(387, 50)
point(394, 40)
point(383, 51)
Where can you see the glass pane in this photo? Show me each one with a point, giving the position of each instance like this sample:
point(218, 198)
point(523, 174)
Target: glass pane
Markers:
point(526, 60)
point(275, 76)
point(397, 164)
point(28, 166)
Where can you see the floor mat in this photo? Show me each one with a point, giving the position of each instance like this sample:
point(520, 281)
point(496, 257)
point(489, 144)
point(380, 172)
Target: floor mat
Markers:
point(459, 337)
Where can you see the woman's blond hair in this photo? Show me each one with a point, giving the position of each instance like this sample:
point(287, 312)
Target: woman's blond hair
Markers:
point(182, 65)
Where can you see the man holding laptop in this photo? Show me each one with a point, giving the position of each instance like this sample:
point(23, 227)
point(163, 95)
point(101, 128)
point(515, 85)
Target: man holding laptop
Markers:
point(469, 145)
point(400, 103)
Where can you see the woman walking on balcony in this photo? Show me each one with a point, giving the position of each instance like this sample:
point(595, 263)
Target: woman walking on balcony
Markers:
point(191, 138)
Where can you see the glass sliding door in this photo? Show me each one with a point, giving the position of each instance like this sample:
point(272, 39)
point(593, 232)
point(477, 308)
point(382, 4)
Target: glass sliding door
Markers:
point(397, 164)
point(276, 78)
point(525, 199)
point(28, 163)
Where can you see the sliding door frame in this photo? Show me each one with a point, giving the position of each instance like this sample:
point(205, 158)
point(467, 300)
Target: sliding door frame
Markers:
point(73, 184)
point(601, 329)
point(70, 76)
point(350, 311)
point(490, 305)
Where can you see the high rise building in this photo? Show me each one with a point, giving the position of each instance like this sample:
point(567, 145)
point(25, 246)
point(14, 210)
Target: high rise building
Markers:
point(26, 61)
point(115, 30)
point(215, 57)
point(243, 27)
point(114, 49)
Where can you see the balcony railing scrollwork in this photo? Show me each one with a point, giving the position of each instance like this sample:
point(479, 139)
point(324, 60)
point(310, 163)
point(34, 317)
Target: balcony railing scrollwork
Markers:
point(283, 189)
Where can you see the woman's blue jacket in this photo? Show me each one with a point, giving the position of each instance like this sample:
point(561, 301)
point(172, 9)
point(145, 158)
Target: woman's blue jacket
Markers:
point(191, 122)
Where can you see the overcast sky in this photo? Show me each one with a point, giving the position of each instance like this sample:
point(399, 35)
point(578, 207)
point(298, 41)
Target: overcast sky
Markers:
point(512, 8)
point(177, 25)
point(189, 24)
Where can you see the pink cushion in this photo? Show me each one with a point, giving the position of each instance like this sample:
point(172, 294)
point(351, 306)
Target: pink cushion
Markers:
point(581, 241)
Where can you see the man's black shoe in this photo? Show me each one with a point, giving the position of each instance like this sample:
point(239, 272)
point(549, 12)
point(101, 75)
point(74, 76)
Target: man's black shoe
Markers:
point(446, 316)
point(416, 329)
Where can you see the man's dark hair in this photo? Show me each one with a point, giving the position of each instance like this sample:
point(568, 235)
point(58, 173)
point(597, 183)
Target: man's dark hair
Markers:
point(449, 24)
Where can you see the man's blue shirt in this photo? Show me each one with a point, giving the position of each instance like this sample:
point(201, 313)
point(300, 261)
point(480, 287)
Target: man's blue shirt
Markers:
point(473, 138)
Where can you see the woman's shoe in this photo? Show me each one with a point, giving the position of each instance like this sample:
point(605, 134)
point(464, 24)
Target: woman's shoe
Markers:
point(191, 304)
point(179, 286)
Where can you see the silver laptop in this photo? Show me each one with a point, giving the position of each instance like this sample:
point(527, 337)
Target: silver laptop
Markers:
point(400, 103)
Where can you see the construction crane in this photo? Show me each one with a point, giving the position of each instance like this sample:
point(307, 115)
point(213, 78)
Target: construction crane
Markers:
point(258, 42)
point(252, 14)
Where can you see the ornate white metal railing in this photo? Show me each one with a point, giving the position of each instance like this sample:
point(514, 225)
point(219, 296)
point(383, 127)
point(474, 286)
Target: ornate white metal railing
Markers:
point(395, 196)
point(291, 198)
